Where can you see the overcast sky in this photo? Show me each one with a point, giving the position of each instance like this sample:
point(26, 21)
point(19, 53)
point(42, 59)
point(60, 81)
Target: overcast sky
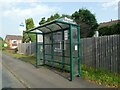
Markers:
point(12, 13)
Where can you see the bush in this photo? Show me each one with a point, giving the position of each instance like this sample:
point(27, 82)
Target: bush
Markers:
point(16, 50)
point(110, 30)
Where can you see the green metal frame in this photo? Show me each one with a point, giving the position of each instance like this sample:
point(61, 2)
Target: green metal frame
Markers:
point(43, 49)
point(63, 49)
point(79, 67)
point(36, 50)
point(71, 54)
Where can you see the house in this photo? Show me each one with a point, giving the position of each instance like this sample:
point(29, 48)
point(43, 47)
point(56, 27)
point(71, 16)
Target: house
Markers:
point(109, 23)
point(13, 40)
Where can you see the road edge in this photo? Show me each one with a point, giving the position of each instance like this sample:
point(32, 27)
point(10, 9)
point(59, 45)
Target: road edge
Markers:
point(25, 84)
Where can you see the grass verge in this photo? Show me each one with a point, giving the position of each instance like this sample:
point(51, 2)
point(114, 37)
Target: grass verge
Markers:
point(26, 58)
point(101, 76)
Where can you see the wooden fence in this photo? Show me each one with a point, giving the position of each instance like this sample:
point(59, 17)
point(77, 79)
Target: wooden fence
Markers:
point(99, 52)
point(26, 48)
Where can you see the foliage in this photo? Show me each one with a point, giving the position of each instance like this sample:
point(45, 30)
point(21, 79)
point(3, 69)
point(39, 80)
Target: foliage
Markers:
point(16, 50)
point(29, 23)
point(42, 21)
point(1, 38)
point(100, 76)
point(87, 22)
point(1, 43)
point(110, 30)
point(52, 17)
point(29, 37)
point(65, 15)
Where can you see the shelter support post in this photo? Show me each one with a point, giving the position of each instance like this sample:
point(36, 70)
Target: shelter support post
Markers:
point(71, 54)
point(43, 49)
point(79, 67)
point(63, 51)
point(52, 50)
point(36, 50)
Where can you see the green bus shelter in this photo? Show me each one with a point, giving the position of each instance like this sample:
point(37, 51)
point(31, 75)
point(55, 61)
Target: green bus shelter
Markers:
point(61, 45)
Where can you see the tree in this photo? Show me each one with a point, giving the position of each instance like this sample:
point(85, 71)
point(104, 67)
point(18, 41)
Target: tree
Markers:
point(87, 22)
point(26, 36)
point(1, 42)
point(52, 17)
point(42, 21)
point(65, 15)
point(1, 38)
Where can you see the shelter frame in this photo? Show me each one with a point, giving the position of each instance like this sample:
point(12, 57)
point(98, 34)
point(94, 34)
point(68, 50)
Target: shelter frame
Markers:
point(55, 27)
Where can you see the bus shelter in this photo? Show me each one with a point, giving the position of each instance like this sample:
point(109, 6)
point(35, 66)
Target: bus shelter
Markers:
point(61, 45)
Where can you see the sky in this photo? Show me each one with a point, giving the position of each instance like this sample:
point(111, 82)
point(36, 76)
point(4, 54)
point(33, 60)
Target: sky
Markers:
point(13, 12)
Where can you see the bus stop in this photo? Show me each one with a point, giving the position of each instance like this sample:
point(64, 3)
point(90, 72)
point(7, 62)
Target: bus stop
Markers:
point(61, 45)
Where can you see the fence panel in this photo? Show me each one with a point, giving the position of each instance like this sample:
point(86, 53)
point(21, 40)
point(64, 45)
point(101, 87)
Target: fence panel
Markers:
point(101, 52)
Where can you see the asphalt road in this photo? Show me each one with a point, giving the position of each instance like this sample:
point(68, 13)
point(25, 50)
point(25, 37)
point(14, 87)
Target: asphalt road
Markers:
point(42, 77)
point(9, 80)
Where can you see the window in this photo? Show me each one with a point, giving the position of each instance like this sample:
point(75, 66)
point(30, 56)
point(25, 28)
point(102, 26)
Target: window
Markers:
point(14, 41)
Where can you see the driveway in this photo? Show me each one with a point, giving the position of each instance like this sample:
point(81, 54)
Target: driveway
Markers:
point(42, 77)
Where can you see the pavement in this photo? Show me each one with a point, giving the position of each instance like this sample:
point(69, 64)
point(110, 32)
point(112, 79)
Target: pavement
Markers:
point(41, 77)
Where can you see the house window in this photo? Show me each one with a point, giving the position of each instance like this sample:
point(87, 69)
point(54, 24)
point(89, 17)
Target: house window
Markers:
point(14, 41)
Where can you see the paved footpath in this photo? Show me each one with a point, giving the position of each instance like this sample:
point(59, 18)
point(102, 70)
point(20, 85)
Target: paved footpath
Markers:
point(41, 77)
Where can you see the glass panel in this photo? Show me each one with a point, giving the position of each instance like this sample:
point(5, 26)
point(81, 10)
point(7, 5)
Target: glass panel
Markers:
point(75, 50)
point(67, 60)
point(75, 66)
point(58, 52)
point(57, 37)
point(40, 53)
point(74, 34)
point(48, 59)
point(47, 49)
point(57, 58)
point(64, 25)
point(44, 29)
point(54, 27)
point(67, 50)
point(48, 39)
point(57, 40)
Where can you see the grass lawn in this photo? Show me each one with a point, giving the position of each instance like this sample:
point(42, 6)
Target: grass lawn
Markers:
point(91, 74)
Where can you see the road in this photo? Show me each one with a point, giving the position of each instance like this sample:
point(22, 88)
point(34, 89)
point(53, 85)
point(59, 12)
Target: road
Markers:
point(9, 80)
point(42, 77)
